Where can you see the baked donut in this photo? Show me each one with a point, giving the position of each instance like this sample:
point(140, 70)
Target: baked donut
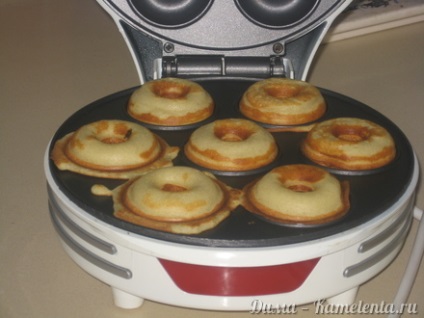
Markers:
point(282, 101)
point(349, 144)
point(176, 199)
point(231, 145)
point(112, 149)
point(170, 102)
point(297, 194)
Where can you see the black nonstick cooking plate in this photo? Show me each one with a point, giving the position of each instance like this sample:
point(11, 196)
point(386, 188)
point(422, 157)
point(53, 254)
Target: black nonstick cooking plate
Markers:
point(371, 192)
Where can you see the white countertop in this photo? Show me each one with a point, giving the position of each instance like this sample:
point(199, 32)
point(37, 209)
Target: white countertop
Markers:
point(57, 56)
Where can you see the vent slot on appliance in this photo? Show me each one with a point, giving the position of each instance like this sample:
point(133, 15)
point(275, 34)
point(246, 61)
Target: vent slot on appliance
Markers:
point(82, 251)
point(86, 236)
point(382, 236)
point(394, 244)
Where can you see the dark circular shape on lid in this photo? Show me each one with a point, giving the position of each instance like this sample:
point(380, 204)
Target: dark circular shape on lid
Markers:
point(276, 14)
point(171, 13)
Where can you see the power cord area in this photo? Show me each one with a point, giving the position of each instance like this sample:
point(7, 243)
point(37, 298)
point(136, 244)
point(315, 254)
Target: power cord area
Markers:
point(412, 267)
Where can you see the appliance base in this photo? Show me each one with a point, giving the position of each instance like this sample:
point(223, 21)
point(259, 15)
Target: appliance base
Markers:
point(124, 300)
point(133, 265)
point(346, 298)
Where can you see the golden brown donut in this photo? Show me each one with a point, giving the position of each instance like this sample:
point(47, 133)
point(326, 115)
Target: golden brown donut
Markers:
point(175, 199)
point(282, 101)
point(349, 144)
point(170, 102)
point(231, 145)
point(112, 149)
point(297, 194)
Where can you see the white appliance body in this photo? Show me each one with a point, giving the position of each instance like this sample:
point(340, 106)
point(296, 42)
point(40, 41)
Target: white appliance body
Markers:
point(139, 268)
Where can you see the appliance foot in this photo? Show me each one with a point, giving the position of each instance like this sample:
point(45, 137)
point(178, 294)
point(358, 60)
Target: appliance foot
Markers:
point(124, 300)
point(345, 298)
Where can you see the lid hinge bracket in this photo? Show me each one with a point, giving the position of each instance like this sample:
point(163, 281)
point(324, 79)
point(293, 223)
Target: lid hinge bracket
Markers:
point(220, 65)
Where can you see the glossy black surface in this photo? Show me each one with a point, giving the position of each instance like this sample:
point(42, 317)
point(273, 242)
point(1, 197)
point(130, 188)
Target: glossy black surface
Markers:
point(372, 192)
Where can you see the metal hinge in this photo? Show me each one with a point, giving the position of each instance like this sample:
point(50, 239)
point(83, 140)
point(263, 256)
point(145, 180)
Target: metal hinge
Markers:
point(252, 67)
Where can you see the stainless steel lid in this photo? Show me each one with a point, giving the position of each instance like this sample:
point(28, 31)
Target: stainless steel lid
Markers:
point(226, 38)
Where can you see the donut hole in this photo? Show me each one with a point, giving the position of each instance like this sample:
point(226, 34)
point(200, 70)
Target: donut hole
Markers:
point(300, 188)
point(351, 133)
point(282, 91)
point(116, 139)
point(170, 90)
point(232, 134)
point(112, 140)
point(169, 187)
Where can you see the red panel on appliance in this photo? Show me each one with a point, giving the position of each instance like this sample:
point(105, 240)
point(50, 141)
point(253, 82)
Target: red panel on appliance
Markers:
point(239, 281)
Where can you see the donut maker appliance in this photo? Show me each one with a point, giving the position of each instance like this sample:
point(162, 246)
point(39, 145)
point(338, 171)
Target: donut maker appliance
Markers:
point(244, 258)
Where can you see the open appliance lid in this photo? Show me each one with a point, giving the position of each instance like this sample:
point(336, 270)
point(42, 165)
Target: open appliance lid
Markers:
point(225, 37)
